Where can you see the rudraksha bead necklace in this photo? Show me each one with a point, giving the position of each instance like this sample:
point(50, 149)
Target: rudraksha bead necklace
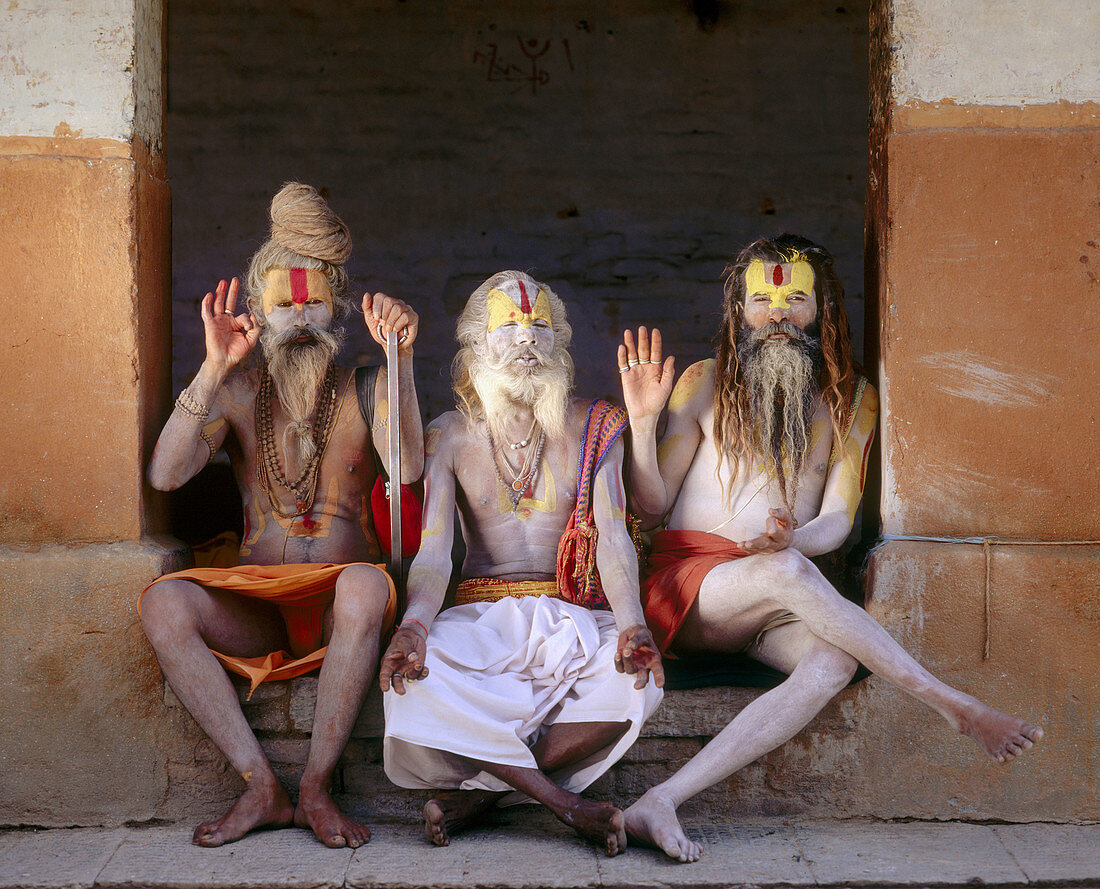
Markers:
point(268, 467)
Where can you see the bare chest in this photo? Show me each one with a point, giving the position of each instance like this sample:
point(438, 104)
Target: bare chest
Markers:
point(736, 497)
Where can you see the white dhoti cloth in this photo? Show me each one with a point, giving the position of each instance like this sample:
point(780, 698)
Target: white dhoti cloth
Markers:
point(500, 674)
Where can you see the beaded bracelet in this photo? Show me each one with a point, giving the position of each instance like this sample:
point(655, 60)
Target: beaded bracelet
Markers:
point(191, 406)
point(210, 444)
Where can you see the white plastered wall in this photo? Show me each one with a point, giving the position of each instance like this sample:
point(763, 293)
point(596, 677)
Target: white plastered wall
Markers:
point(1008, 52)
point(89, 68)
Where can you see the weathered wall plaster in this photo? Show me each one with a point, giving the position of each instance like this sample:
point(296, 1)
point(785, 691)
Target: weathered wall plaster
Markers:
point(1004, 53)
point(71, 68)
point(983, 234)
point(84, 251)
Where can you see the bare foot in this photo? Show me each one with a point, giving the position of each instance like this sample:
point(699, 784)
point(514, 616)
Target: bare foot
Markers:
point(455, 810)
point(600, 823)
point(652, 821)
point(317, 812)
point(264, 805)
point(1002, 736)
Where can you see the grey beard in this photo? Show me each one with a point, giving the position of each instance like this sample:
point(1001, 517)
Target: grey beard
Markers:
point(781, 378)
point(545, 388)
point(298, 371)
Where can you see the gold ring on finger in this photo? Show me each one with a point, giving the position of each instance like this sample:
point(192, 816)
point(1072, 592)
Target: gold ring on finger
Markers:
point(623, 370)
point(633, 363)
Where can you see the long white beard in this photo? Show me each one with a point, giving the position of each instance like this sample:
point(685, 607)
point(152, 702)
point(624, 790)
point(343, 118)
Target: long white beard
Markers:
point(544, 387)
point(781, 377)
point(298, 370)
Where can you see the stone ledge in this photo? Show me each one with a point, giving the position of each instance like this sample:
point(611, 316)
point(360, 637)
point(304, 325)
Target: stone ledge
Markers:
point(872, 751)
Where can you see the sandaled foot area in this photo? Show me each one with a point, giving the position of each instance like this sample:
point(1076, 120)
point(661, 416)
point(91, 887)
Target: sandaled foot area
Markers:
point(1002, 736)
point(599, 823)
point(317, 812)
point(453, 810)
point(260, 807)
point(652, 822)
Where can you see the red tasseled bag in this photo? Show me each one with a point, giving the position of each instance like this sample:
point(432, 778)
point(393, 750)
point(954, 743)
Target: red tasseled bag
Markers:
point(578, 577)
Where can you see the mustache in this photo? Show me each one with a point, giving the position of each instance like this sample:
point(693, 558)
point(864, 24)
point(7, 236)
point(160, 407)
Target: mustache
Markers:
point(290, 336)
point(515, 352)
point(807, 337)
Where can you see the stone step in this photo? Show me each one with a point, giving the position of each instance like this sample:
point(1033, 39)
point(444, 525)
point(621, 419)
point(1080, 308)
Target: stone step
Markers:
point(281, 714)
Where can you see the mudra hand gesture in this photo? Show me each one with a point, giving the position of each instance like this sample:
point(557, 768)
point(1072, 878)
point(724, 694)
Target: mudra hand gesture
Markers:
point(229, 337)
point(404, 658)
point(647, 380)
point(778, 530)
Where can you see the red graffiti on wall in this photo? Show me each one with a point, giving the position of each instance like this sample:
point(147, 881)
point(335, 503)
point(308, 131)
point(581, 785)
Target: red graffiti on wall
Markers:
point(501, 69)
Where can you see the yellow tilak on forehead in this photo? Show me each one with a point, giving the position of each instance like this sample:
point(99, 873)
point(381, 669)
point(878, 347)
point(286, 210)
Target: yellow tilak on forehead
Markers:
point(296, 286)
point(779, 280)
point(503, 309)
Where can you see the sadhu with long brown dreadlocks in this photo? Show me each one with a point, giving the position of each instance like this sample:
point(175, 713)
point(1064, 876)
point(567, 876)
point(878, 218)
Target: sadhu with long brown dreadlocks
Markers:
point(762, 466)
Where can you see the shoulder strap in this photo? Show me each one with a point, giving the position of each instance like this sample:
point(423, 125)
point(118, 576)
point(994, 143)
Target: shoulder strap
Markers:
point(604, 426)
point(857, 398)
point(365, 380)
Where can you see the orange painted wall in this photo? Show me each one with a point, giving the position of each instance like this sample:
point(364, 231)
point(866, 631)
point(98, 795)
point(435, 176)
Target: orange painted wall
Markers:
point(84, 261)
point(983, 265)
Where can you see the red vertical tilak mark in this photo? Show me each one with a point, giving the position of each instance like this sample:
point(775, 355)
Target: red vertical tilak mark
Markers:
point(299, 290)
point(777, 275)
point(524, 302)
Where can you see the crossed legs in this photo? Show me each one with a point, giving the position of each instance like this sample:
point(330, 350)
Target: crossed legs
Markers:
point(184, 620)
point(820, 655)
point(562, 745)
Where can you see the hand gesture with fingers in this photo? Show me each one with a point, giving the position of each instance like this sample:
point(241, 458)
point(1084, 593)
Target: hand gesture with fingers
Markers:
point(778, 530)
point(404, 659)
point(647, 381)
point(385, 313)
point(229, 337)
point(638, 655)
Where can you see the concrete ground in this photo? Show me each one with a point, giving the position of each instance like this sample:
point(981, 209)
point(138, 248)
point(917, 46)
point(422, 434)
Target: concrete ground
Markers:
point(525, 848)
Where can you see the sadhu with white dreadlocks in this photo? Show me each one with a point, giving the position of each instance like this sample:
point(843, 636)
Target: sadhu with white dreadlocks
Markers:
point(308, 587)
point(762, 466)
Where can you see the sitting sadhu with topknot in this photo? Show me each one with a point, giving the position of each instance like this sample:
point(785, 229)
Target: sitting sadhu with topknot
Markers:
point(308, 590)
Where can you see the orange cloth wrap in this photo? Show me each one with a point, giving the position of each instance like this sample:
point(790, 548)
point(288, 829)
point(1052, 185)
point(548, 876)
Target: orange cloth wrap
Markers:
point(490, 589)
point(301, 593)
point(678, 563)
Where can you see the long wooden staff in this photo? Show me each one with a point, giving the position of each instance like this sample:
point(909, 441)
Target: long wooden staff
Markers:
point(394, 437)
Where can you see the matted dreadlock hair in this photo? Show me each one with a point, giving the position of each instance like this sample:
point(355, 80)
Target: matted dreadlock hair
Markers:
point(733, 422)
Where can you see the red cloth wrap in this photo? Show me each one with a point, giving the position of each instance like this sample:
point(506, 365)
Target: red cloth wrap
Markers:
point(678, 563)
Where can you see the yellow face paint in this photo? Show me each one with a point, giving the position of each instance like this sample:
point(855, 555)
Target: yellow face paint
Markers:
point(503, 309)
point(779, 280)
point(297, 286)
